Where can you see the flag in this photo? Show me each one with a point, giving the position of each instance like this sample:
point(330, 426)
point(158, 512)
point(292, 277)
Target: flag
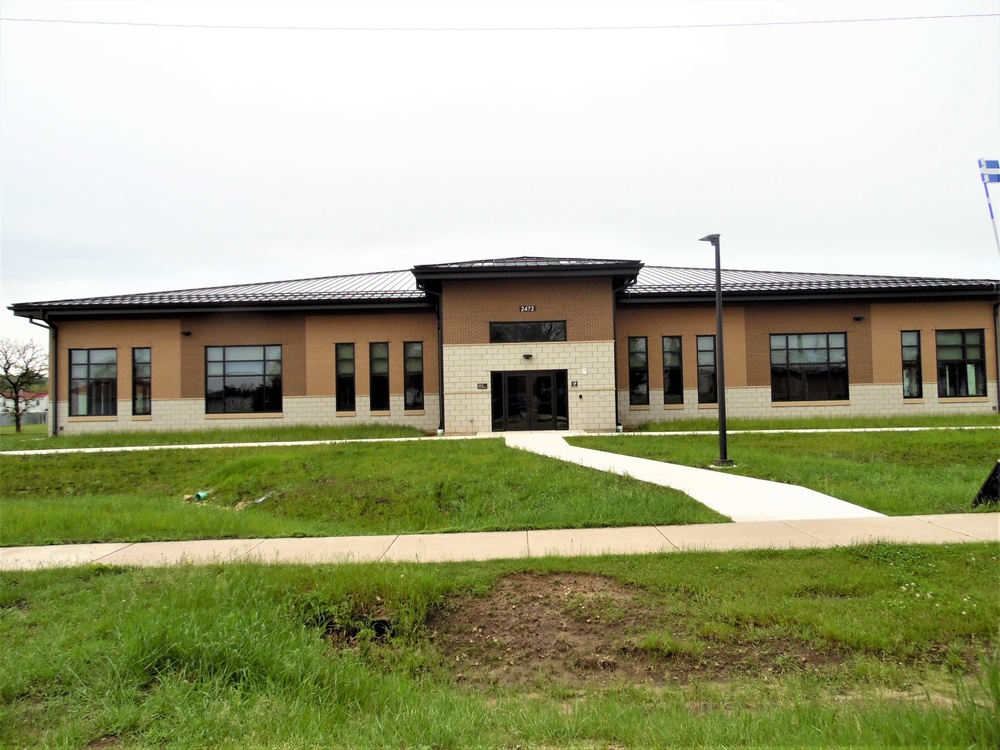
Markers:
point(990, 170)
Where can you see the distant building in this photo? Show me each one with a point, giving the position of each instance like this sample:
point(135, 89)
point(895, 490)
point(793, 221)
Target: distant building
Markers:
point(36, 413)
point(521, 343)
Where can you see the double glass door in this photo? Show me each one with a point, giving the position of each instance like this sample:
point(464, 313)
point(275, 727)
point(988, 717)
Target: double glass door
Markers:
point(535, 400)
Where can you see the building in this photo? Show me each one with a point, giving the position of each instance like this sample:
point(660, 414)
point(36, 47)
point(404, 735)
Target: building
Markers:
point(521, 343)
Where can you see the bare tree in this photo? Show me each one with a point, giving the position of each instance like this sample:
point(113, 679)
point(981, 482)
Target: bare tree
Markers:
point(23, 365)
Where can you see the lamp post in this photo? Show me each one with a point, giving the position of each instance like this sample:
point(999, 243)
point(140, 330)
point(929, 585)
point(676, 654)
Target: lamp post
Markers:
point(720, 355)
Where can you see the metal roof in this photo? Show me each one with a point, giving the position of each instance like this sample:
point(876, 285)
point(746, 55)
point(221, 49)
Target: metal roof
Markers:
point(400, 289)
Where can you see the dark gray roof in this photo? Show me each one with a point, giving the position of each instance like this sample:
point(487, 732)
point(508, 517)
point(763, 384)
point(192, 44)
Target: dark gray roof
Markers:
point(664, 281)
point(399, 289)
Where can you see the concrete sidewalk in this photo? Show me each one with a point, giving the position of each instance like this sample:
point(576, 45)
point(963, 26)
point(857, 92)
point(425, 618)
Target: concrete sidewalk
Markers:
point(740, 498)
point(428, 548)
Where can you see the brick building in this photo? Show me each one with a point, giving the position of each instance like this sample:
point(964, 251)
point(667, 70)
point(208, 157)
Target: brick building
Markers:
point(521, 343)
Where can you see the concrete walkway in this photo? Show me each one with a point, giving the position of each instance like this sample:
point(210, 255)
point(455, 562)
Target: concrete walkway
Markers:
point(425, 548)
point(740, 498)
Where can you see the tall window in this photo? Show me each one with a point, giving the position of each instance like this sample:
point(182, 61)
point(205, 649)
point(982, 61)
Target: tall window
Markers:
point(638, 371)
point(708, 392)
point(913, 383)
point(673, 373)
point(528, 330)
point(378, 376)
point(961, 362)
point(413, 375)
point(345, 377)
point(809, 367)
point(142, 381)
point(93, 382)
point(242, 379)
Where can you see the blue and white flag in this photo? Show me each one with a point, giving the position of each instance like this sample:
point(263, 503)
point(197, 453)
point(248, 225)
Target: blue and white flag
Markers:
point(990, 170)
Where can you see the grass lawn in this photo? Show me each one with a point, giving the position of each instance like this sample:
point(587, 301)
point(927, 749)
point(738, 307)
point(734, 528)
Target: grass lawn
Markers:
point(896, 473)
point(326, 490)
point(876, 645)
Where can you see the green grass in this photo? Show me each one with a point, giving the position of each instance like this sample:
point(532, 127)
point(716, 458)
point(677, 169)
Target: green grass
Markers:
point(327, 490)
point(235, 656)
point(35, 437)
point(896, 473)
point(825, 423)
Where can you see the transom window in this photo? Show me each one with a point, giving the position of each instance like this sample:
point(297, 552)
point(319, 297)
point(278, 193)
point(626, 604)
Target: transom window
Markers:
point(242, 379)
point(528, 330)
point(93, 382)
point(809, 367)
point(961, 361)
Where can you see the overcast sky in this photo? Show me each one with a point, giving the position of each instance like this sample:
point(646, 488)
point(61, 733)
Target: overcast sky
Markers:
point(138, 158)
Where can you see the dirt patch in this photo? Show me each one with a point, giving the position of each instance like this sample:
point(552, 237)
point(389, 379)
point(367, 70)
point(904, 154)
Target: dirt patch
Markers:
point(589, 631)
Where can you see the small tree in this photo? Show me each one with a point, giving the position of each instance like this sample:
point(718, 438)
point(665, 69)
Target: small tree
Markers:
point(22, 367)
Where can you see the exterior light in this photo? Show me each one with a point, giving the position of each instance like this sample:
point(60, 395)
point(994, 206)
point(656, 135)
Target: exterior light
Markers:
point(720, 355)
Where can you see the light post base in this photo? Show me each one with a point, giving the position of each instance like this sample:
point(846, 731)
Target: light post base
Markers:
point(723, 463)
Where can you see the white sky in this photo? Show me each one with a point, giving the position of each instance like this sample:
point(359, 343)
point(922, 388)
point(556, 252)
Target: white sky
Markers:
point(138, 159)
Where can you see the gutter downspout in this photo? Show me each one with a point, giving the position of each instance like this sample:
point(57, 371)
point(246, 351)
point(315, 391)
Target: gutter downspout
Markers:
point(53, 370)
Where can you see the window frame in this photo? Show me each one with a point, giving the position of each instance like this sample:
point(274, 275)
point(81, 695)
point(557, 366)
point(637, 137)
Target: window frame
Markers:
point(707, 395)
point(104, 387)
point(345, 383)
point(638, 371)
point(978, 373)
point(673, 373)
point(142, 382)
point(413, 376)
point(912, 372)
point(799, 375)
point(379, 394)
point(527, 331)
point(234, 367)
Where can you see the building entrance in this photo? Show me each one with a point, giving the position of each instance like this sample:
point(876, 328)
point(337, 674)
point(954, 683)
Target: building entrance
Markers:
point(534, 400)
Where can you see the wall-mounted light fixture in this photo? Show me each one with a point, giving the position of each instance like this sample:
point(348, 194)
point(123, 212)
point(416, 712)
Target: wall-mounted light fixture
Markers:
point(527, 356)
point(185, 333)
point(858, 318)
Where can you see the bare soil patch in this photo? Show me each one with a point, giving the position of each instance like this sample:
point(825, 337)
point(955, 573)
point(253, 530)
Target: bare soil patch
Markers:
point(589, 631)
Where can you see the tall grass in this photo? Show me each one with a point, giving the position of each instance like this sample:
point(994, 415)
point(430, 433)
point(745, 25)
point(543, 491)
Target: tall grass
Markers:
point(240, 655)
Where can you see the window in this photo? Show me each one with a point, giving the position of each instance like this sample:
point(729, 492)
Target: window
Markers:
point(378, 376)
point(345, 377)
point(413, 375)
point(528, 330)
point(707, 390)
point(913, 383)
point(93, 382)
point(809, 367)
point(673, 373)
point(142, 382)
point(242, 379)
point(638, 371)
point(961, 361)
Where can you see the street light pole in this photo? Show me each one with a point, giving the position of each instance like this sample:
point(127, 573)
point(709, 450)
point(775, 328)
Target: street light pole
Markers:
point(720, 355)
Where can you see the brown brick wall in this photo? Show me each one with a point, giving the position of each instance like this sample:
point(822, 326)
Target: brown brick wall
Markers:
point(765, 318)
point(323, 332)
point(687, 322)
point(587, 306)
point(159, 334)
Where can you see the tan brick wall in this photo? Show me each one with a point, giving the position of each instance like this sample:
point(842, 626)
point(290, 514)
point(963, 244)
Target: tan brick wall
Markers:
point(587, 306)
point(688, 322)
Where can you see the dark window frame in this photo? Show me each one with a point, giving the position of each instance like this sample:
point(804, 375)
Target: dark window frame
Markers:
point(708, 386)
point(673, 371)
point(521, 331)
point(142, 382)
point(638, 371)
point(912, 357)
point(345, 381)
point(378, 377)
point(99, 387)
point(413, 375)
point(235, 384)
point(807, 370)
point(950, 385)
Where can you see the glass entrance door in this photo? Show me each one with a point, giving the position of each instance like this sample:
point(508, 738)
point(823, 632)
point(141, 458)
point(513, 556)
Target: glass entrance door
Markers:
point(530, 400)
